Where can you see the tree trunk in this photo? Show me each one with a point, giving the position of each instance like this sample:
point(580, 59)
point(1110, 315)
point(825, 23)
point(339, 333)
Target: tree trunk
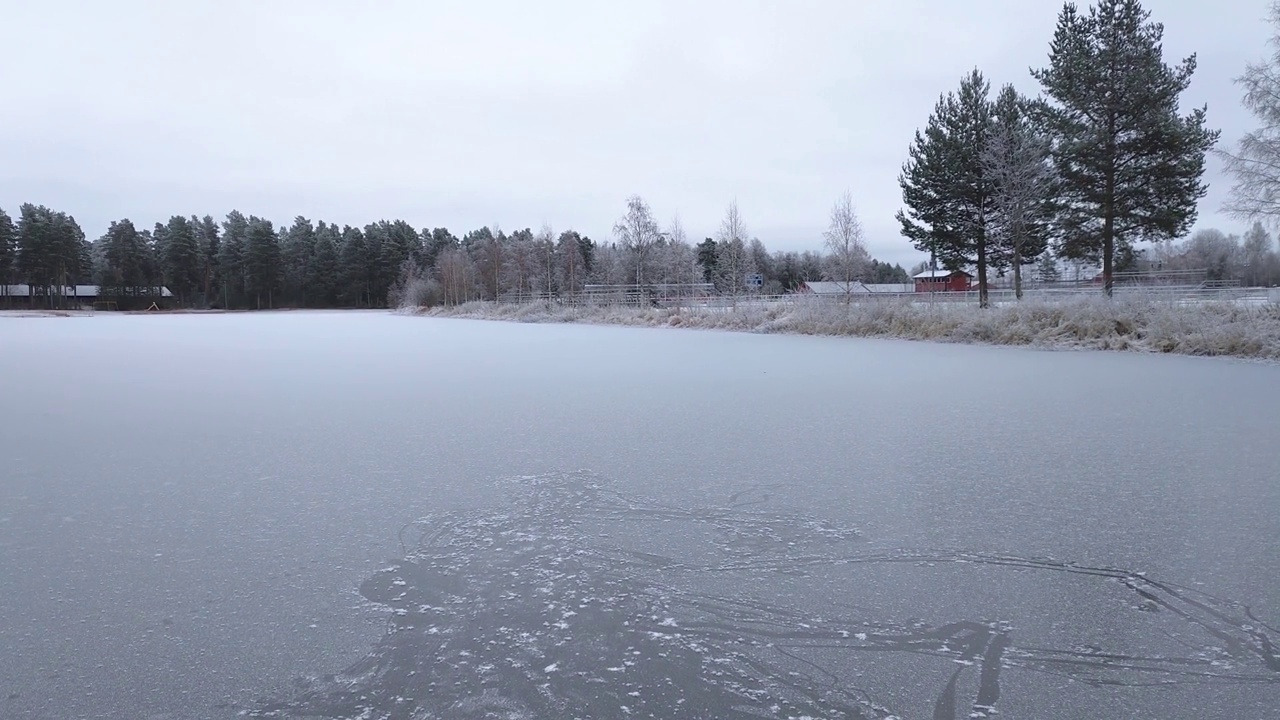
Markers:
point(1017, 272)
point(982, 274)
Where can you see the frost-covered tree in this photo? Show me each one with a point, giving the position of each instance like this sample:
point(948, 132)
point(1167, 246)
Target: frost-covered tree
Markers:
point(847, 259)
point(1016, 159)
point(1130, 165)
point(457, 275)
point(678, 260)
point(544, 254)
point(1258, 257)
point(1217, 253)
point(733, 260)
point(949, 197)
point(1255, 163)
point(637, 234)
point(1047, 268)
point(520, 266)
point(571, 266)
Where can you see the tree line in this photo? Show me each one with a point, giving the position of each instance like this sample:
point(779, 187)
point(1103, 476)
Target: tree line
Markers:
point(1100, 161)
point(247, 262)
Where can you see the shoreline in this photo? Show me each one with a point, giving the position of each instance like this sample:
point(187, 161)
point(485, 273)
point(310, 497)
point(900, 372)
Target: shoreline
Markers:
point(1206, 329)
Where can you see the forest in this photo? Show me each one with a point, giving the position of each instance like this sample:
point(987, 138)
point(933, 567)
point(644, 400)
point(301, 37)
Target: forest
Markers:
point(247, 262)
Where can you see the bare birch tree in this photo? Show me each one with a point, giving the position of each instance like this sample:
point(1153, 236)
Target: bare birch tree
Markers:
point(457, 275)
point(733, 260)
point(637, 233)
point(1017, 161)
point(1256, 162)
point(847, 259)
point(544, 244)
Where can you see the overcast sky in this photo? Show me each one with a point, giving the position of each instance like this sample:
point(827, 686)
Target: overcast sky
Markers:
point(519, 113)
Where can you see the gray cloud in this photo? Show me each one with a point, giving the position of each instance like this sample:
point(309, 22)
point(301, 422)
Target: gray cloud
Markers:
point(470, 113)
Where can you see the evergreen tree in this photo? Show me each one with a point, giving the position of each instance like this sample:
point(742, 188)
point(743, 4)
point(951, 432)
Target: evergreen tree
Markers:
point(949, 197)
point(1130, 165)
point(435, 242)
point(231, 259)
point(8, 252)
point(379, 274)
point(182, 259)
point(323, 275)
point(571, 267)
point(356, 284)
point(209, 241)
point(298, 244)
point(51, 251)
point(1047, 269)
point(262, 263)
point(124, 271)
point(403, 244)
point(707, 259)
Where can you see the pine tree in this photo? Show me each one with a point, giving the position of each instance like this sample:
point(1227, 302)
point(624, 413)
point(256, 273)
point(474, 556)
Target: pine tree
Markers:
point(298, 244)
point(182, 259)
point(262, 262)
point(435, 242)
point(231, 259)
point(8, 252)
point(323, 278)
point(51, 250)
point(1130, 165)
point(949, 197)
point(209, 241)
point(124, 271)
point(356, 285)
point(707, 259)
point(1047, 269)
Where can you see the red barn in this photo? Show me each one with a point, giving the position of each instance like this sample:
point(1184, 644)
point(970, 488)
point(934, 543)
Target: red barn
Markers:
point(943, 281)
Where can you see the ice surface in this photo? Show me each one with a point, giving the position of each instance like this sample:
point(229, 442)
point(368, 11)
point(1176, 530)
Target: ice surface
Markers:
point(190, 504)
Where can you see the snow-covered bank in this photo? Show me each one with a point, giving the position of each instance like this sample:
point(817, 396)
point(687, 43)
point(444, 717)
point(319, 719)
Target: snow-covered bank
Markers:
point(1206, 328)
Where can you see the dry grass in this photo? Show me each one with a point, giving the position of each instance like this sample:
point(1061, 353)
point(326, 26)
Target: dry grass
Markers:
point(1206, 328)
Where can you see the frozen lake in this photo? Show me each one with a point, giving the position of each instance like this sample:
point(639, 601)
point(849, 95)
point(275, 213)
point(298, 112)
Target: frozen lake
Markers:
point(205, 515)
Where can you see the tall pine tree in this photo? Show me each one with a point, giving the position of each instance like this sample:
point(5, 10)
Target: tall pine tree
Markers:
point(1130, 165)
point(298, 246)
point(949, 197)
point(182, 259)
point(231, 259)
point(8, 252)
point(262, 263)
point(209, 241)
point(323, 276)
point(124, 256)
